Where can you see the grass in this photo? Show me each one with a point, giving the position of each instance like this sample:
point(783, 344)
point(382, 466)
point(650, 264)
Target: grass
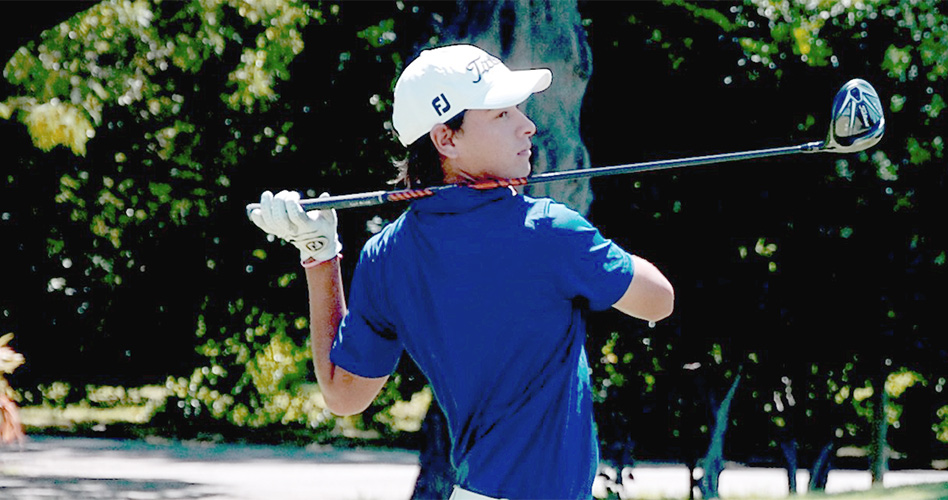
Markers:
point(117, 413)
point(44, 417)
point(935, 491)
point(103, 406)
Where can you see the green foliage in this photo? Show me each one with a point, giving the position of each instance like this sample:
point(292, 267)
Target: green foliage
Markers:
point(155, 104)
point(781, 276)
point(860, 397)
point(911, 43)
point(612, 376)
point(940, 428)
point(257, 373)
point(130, 66)
point(55, 394)
point(108, 396)
point(127, 53)
point(379, 35)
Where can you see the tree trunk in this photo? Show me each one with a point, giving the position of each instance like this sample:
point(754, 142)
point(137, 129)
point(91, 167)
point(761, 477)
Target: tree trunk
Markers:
point(542, 33)
point(436, 477)
point(713, 462)
point(548, 34)
point(789, 449)
point(880, 430)
point(819, 473)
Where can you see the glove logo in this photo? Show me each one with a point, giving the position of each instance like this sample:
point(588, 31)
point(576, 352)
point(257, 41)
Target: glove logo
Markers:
point(315, 245)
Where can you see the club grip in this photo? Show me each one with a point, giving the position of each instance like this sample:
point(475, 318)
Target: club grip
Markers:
point(337, 202)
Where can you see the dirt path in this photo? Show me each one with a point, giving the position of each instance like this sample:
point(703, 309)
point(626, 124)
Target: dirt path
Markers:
point(84, 469)
point(81, 469)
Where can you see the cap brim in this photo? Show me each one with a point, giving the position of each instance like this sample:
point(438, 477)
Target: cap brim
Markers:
point(515, 87)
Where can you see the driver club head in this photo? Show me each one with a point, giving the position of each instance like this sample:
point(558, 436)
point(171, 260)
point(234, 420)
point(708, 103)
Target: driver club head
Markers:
point(857, 122)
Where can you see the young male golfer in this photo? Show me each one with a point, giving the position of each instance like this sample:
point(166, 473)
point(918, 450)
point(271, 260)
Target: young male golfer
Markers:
point(487, 290)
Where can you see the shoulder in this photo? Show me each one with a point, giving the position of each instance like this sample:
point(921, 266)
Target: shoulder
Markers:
point(382, 242)
point(550, 214)
point(560, 227)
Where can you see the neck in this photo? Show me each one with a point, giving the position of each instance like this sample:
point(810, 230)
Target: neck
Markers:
point(455, 175)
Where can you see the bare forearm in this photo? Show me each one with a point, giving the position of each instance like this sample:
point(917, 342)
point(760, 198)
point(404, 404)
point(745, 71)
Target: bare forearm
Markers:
point(327, 306)
point(345, 393)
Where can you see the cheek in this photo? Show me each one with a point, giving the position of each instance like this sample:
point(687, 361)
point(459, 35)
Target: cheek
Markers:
point(488, 145)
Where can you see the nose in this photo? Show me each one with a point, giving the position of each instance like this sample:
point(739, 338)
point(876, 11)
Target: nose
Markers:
point(529, 128)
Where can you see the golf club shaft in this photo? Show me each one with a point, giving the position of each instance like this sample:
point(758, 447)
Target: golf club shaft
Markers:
point(381, 197)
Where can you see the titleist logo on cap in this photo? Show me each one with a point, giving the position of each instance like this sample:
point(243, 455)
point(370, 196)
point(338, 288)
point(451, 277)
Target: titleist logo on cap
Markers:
point(478, 68)
point(482, 65)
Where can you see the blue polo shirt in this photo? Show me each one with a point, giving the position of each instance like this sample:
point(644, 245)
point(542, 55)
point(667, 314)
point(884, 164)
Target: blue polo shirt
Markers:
point(488, 292)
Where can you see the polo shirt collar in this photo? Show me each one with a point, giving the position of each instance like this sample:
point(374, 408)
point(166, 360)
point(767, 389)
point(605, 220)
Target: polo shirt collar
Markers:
point(461, 199)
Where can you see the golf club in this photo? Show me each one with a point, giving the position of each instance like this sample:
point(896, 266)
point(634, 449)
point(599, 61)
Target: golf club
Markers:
point(857, 123)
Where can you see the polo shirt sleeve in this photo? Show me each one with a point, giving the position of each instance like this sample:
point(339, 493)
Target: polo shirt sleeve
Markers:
point(365, 344)
point(590, 266)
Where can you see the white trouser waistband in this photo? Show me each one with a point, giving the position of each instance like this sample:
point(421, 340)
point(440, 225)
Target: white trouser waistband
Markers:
point(460, 493)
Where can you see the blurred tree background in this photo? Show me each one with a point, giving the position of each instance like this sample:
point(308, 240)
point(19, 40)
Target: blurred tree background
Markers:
point(136, 131)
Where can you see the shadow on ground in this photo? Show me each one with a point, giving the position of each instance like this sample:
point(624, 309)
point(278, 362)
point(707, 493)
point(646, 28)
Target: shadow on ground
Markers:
point(36, 488)
point(83, 469)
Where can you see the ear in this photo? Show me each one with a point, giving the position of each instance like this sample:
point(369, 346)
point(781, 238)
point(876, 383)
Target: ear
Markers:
point(443, 139)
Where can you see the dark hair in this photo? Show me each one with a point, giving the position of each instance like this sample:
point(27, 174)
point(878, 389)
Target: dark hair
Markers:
point(422, 166)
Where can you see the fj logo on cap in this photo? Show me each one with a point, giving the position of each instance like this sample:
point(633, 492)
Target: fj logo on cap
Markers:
point(441, 104)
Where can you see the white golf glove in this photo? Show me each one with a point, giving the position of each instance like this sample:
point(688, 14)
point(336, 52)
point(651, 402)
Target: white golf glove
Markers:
point(313, 232)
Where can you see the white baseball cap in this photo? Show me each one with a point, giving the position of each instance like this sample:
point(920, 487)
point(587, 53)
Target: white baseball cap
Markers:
point(442, 82)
